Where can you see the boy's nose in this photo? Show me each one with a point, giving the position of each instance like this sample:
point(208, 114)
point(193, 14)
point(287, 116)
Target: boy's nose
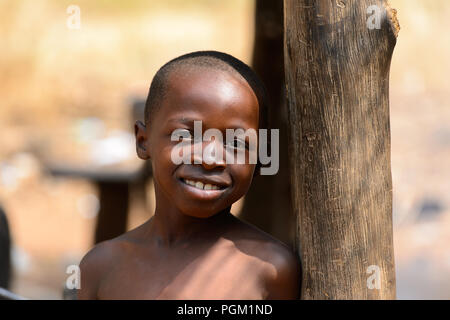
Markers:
point(212, 155)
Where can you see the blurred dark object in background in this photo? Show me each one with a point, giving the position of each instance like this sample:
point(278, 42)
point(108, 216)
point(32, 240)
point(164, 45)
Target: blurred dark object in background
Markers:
point(70, 294)
point(8, 295)
point(114, 184)
point(273, 212)
point(429, 208)
point(5, 251)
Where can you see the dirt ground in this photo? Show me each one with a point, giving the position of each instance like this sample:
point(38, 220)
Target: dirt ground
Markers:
point(66, 95)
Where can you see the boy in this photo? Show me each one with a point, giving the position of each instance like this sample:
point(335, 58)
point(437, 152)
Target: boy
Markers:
point(193, 247)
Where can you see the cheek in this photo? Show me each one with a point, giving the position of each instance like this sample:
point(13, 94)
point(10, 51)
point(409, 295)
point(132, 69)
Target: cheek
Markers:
point(242, 176)
point(162, 164)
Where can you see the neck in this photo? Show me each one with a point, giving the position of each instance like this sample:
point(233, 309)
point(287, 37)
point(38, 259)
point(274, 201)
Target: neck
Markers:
point(169, 226)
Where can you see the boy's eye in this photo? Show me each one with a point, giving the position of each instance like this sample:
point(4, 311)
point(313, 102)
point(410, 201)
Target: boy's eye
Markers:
point(181, 134)
point(238, 144)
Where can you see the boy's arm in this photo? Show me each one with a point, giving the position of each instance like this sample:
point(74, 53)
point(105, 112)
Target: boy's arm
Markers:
point(92, 268)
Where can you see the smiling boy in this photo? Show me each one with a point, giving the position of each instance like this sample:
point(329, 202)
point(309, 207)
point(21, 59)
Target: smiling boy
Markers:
point(193, 247)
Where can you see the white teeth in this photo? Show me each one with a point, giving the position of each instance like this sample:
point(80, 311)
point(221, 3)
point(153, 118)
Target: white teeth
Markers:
point(201, 185)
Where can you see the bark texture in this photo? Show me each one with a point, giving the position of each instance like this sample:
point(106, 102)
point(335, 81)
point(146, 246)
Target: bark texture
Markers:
point(337, 62)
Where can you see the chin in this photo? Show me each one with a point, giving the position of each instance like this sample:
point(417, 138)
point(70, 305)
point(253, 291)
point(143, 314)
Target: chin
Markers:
point(200, 213)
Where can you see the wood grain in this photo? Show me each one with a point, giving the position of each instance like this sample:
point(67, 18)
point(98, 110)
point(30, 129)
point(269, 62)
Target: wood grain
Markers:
point(337, 75)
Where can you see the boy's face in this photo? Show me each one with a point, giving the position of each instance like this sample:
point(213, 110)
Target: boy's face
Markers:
point(219, 100)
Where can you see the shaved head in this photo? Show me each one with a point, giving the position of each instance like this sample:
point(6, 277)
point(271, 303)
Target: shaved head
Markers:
point(194, 61)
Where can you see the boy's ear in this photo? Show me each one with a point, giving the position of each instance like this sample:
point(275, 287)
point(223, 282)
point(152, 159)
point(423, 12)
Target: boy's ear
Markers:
point(140, 131)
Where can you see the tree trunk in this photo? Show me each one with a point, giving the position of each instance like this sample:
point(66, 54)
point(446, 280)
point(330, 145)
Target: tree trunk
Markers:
point(337, 61)
point(268, 204)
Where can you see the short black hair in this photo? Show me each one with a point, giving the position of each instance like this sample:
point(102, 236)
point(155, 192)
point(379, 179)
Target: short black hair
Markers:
point(209, 59)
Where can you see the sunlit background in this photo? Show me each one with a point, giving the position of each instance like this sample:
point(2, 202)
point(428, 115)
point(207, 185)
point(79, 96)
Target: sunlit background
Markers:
point(66, 97)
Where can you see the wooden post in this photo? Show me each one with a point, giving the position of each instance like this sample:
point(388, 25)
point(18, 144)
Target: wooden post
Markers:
point(273, 211)
point(337, 61)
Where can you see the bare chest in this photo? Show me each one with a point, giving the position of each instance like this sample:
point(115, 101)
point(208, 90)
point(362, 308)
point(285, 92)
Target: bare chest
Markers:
point(192, 274)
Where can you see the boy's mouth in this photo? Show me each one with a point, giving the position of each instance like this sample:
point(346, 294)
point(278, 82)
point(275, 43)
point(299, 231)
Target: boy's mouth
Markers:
point(203, 185)
point(200, 185)
point(202, 191)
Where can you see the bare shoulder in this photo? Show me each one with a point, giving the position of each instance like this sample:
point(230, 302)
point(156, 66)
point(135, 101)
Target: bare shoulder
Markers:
point(282, 266)
point(283, 280)
point(95, 265)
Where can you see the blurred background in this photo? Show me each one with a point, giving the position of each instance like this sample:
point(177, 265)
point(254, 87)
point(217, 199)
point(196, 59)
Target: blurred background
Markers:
point(69, 95)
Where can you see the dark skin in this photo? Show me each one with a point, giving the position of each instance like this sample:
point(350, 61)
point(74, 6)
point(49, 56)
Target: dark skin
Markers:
point(193, 247)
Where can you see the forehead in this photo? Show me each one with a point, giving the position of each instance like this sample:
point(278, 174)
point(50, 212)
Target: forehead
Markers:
point(213, 96)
